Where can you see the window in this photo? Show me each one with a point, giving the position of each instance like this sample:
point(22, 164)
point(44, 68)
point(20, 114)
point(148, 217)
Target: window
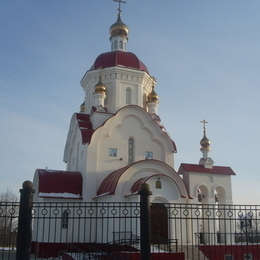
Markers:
point(158, 184)
point(113, 152)
point(128, 96)
point(148, 155)
point(130, 150)
point(121, 45)
point(115, 45)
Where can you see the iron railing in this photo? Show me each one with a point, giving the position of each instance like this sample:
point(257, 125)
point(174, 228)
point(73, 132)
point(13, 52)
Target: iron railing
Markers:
point(112, 231)
point(9, 212)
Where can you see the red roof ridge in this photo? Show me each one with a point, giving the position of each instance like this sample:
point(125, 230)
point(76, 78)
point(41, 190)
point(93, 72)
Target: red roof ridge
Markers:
point(200, 168)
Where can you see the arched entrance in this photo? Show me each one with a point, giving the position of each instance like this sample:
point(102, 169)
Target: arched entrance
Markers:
point(159, 223)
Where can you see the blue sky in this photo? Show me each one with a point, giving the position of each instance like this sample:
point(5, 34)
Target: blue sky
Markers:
point(204, 54)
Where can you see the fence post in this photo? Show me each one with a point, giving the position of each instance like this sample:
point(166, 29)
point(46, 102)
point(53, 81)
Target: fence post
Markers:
point(145, 228)
point(24, 222)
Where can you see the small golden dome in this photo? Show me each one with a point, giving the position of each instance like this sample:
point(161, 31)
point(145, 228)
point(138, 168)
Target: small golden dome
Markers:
point(205, 142)
point(100, 87)
point(82, 107)
point(119, 28)
point(152, 96)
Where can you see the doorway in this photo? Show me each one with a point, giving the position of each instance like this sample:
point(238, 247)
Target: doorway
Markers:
point(159, 224)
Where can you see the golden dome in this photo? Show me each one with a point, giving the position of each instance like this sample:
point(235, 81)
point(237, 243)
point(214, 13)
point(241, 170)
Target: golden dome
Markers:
point(205, 143)
point(152, 96)
point(119, 28)
point(82, 107)
point(100, 87)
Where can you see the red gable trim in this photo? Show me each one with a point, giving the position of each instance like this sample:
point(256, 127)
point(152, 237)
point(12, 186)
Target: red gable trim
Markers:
point(200, 168)
point(108, 185)
point(85, 127)
point(64, 184)
point(137, 185)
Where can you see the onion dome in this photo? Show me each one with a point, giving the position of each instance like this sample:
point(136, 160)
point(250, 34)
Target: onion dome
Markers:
point(118, 58)
point(205, 143)
point(100, 87)
point(152, 96)
point(82, 107)
point(119, 28)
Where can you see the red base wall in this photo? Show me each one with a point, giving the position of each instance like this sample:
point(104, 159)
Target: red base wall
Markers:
point(238, 251)
point(154, 256)
point(45, 250)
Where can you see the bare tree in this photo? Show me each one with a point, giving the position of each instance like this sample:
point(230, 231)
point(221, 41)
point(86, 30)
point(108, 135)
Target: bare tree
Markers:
point(248, 229)
point(9, 210)
point(8, 196)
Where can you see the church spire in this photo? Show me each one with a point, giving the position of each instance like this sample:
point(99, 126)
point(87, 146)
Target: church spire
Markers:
point(205, 149)
point(118, 32)
point(99, 94)
point(152, 100)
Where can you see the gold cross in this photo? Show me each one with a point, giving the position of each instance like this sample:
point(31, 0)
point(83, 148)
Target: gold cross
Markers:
point(100, 72)
point(119, 5)
point(204, 122)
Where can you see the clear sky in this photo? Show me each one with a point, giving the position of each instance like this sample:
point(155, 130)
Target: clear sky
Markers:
point(205, 55)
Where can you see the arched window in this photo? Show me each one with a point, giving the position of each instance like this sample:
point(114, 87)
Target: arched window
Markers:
point(128, 96)
point(115, 45)
point(130, 150)
point(121, 45)
point(158, 184)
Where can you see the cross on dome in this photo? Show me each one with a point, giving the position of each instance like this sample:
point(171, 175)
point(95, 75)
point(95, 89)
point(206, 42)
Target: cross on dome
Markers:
point(100, 72)
point(119, 5)
point(205, 148)
point(205, 142)
point(204, 126)
point(118, 32)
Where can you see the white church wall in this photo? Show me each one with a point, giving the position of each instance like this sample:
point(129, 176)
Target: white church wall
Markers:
point(76, 160)
point(128, 122)
point(117, 80)
point(98, 118)
point(168, 190)
point(211, 181)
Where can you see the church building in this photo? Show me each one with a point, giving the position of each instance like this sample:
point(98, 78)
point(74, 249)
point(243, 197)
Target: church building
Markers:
point(117, 142)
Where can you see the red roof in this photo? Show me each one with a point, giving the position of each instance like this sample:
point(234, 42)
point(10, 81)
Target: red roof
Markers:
point(200, 168)
point(85, 127)
point(118, 58)
point(108, 185)
point(60, 184)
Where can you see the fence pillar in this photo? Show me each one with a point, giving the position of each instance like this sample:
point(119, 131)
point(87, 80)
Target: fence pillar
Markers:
point(145, 228)
point(24, 222)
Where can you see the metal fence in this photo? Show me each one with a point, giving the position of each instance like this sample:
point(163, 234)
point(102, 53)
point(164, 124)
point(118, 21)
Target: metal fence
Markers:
point(9, 212)
point(116, 231)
